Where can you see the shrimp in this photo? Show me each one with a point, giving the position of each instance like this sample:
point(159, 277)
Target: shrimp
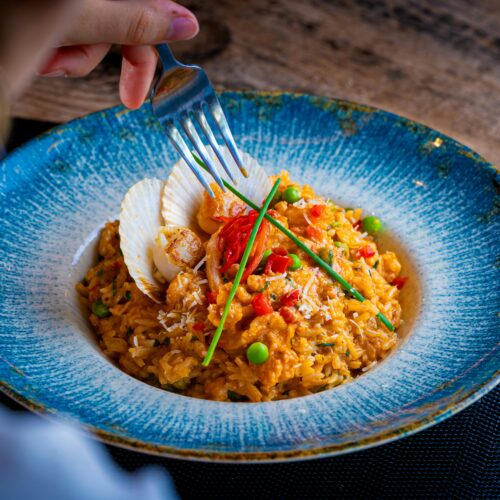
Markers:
point(213, 211)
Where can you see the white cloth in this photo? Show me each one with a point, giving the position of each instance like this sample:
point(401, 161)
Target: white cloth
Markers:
point(42, 460)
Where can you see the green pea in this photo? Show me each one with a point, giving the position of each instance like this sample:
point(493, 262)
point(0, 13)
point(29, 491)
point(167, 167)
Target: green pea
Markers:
point(265, 256)
point(296, 262)
point(326, 254)
point(371, 224)
point(258, 353)
point(100, 309)
point(291, 194)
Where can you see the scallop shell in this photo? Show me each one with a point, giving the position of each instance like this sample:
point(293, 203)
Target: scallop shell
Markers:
point(140, 218)
point(183, 192)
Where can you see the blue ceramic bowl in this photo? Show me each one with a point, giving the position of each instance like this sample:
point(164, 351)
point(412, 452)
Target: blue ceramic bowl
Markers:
point(436, 197)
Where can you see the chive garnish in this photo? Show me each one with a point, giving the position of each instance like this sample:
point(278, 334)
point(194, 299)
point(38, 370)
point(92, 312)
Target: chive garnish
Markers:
point(239, 274)
point(265, 287)
point(327, 344)
point(321, 263)
point(376, 264)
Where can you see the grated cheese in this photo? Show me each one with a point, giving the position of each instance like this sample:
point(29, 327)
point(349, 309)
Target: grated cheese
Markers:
point(277, 277)
point(309, 283)
point(197, 298)
point(198, 266)
point(202, 282)
point(306, 310)
point(300, 204)
point(354, 323)
point(308, 219)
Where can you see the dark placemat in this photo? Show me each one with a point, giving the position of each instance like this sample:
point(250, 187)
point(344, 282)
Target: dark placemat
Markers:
point(459, 458)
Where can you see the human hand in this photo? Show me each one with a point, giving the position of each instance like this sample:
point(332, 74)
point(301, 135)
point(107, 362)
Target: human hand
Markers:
point(134, 24)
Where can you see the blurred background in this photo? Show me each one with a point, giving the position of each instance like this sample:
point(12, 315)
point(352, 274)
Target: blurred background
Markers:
point(434, 61)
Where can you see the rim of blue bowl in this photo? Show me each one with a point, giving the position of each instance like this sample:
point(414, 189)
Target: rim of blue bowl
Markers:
point(418, 425)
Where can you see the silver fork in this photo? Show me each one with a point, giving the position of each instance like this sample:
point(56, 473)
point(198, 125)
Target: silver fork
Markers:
point(181, 95)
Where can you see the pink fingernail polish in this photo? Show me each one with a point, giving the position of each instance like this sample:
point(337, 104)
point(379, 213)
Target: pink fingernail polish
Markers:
point(181, 28)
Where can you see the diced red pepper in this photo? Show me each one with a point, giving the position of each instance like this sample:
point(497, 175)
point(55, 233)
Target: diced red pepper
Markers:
point(365, 252)
point(317, 211)
point(400, 282)
point(287, 313)
point(291, 298)
point(313, 232)
point(277, 263)
point(199, 327)
point(233, 238)
point(211, 297)
point(357, 225)
point(261, 304)
point(280, 251)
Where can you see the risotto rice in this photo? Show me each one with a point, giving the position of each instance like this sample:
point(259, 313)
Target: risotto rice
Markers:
point(320, 339)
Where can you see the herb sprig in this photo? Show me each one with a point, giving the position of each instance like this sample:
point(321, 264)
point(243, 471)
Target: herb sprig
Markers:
point(239, 274)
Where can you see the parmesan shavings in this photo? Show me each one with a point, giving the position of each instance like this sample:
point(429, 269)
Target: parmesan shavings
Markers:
point(162, 317)
point(310, 282)
point(306, 310)
point(197, 298)
point(326, 312)
point(277, 277)
point(354, 323)
point(198, 266)
point(300, 204)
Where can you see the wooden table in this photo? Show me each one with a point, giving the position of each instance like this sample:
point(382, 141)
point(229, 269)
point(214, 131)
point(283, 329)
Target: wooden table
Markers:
point(435, 61)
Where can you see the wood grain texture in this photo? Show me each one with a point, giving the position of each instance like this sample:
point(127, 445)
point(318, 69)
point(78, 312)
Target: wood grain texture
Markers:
point(437, 62)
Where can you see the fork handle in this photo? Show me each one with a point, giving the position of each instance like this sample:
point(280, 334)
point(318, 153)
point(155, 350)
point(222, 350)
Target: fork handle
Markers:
point(166, 57)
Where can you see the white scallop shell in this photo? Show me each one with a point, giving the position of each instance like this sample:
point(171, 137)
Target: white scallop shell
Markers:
point(140, 218)
point(183, 192)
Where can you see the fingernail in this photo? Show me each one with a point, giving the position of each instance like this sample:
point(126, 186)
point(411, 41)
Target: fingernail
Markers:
point(181, 28)
point(54, 74)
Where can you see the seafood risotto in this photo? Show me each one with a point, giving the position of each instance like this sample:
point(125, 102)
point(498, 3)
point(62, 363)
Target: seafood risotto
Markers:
point(167, 266)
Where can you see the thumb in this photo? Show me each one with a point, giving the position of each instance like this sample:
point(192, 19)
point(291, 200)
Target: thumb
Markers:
point(129, 22)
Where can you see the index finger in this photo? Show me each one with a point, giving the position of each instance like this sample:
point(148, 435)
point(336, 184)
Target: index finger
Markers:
point(129, 22)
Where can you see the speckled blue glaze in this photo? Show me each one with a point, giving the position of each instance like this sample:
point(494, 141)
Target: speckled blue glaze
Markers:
point(437, 198)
